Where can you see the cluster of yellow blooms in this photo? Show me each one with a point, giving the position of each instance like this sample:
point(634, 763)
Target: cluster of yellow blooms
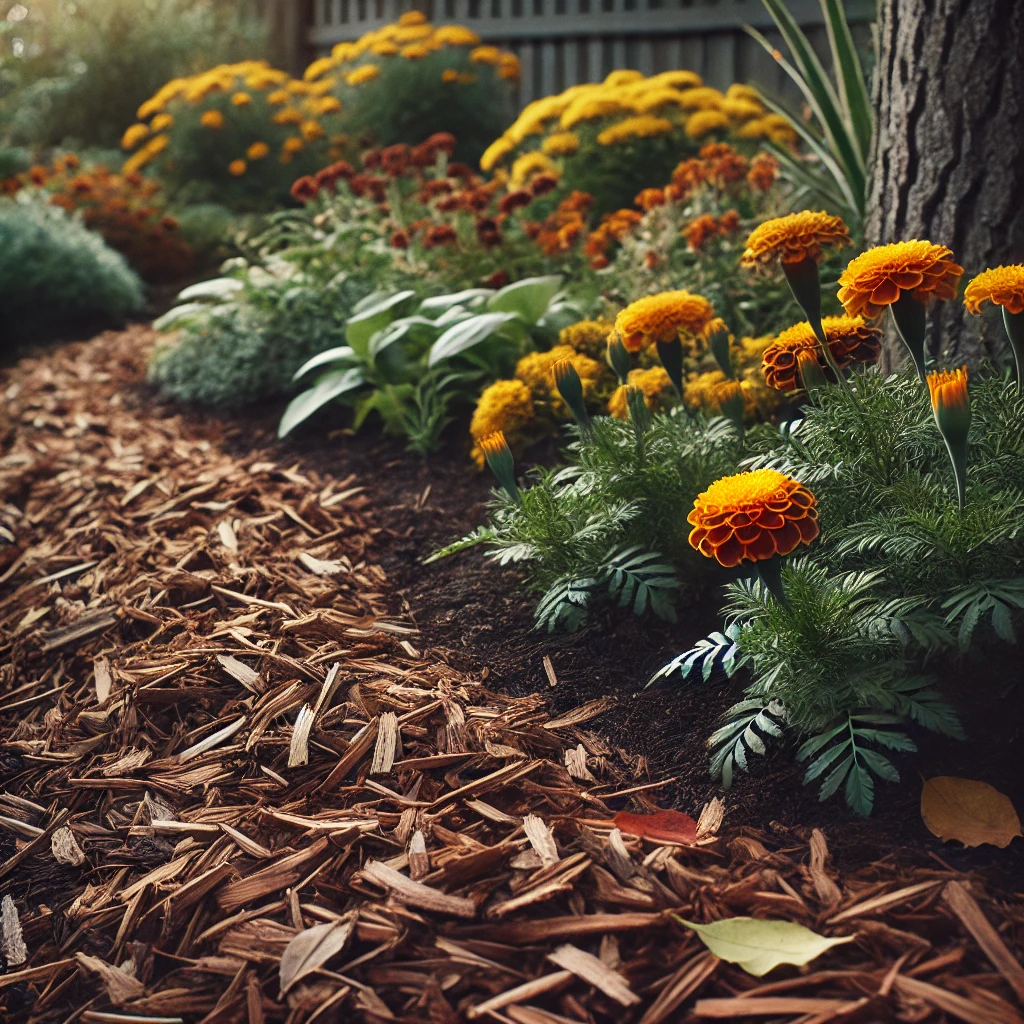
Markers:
point(225, 94)
point(412, 37)
point(628, 106)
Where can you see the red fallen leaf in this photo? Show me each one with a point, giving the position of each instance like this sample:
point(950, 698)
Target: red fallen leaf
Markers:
point(663, 826)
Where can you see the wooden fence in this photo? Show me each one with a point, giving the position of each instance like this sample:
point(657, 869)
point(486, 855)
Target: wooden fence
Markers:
point(564, 42)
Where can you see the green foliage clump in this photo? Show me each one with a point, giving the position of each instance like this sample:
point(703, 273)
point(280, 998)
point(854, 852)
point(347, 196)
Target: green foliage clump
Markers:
point(53, 272)
point(84, 67)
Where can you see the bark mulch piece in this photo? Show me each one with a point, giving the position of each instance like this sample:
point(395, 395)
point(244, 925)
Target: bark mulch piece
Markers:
point(235, 791)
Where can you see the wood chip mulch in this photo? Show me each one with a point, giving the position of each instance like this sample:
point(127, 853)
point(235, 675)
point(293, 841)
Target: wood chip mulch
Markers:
point(215, 740)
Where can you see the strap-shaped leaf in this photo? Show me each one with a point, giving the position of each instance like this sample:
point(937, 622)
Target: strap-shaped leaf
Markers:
point(463, 336)
point(853, 87)
point(439, 303)
point(327, 388)
point(344, 355)
point(216, 288)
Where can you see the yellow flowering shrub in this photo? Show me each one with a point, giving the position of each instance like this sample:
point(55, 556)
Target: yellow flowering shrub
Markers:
point(613, 138)
point(238, 133)
point(410, 79)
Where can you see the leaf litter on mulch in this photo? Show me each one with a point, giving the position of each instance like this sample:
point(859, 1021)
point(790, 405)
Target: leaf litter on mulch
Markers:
point(235, 790)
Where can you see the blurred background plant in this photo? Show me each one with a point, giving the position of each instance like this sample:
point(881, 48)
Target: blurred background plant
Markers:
point(55, 274)
point(407, 80)
point(237, 133)
point(127, 210)
point(615, 138)
point(80, 68)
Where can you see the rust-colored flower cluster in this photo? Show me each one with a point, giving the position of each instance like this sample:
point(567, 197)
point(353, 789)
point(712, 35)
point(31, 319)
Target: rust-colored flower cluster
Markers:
point(702, 229)
point(850, 340)
point(126, 209)
point(717, 164)
point(751, 517)
point(562, 228)
point(613, 228)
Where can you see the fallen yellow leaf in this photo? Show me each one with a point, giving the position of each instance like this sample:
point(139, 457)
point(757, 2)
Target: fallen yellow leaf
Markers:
point(970, 811)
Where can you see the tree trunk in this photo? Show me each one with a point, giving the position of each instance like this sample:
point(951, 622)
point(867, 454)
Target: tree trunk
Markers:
point(948, 153)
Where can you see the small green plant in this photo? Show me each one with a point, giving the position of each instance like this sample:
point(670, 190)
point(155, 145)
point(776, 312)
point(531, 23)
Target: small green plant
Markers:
point(54, 273)
point(409, 369)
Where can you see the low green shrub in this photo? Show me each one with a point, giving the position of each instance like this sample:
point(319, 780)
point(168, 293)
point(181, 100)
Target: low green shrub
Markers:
point(54, 272)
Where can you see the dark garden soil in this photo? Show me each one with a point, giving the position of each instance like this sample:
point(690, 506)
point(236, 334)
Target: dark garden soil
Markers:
point(478, 617)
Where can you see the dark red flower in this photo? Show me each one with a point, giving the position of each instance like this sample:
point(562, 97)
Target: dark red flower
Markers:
point(371, 158)
point(304, 189)
point(542, 184)
point(439, 234)
point(496, 280)
point(400, 239)
point(515, 200)
point(488, 232)
point(394, 159)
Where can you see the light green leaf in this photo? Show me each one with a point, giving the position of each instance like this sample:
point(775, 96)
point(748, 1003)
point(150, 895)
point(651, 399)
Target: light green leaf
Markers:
point(364, 325)
point(327, 388)
point(218, 288)
point(528, 298)
point(758, 946)
point(343, 354)
point(462, 336)
point(439, 303)
point(172, 316)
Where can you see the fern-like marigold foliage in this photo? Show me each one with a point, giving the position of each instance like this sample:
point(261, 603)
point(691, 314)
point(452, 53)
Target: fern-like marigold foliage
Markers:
point(877, 278)
point(663, 317)
point(752, 517)
point(796, 237)
point(850, 340)
point(1003, 286)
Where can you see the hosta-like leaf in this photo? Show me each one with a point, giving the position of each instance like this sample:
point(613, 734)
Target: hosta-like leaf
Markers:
point(528, 299)
point(463, 336)
point(327, 388)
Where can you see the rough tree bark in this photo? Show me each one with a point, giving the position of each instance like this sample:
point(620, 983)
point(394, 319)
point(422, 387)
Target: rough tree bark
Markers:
point(948, 153)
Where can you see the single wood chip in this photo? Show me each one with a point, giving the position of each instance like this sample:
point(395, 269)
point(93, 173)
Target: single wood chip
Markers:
point(65, 848)
point(298, 749)
point(241, 672)
point(12, 942)
point(541, 839)
point(227, 535)
point(419, 861)
point(588, 967)
point(829, 894)
point(120, 982)
point(417, 894)
point(768, 1006)
point(890, 899)
point(576, 763)
point(528, 990)
point(103, 679)
point(951, 1003)
point(389, 744)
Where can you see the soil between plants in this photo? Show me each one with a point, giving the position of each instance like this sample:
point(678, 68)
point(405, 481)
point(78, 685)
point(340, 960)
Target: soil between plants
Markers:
point(478, 617)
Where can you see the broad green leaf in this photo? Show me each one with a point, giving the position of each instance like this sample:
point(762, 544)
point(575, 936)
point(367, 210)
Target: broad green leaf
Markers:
point(327, 388)
point(417, 329)
point(343, 354)
point(758, 946)
point(172, 316)
point(528, 298)
point(465, 335)
point(217, 288)
point(364, 325)
point(439, 303)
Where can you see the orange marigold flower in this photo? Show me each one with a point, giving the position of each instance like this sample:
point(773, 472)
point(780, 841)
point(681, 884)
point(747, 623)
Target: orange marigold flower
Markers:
point(948, 389)
point(649, 198)
point(1003, 286)
point(751, 517)
point(850, 340)
point(764, 169)
point(877, 278)
point(729, 221)
point(212, 119)
point(237, 168)
point(700, 230)
point(793, 238)
point(662, 318)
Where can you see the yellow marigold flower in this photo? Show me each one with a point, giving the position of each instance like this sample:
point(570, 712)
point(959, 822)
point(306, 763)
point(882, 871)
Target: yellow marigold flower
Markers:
point(237, 168)
point(495, 153)
point(795, 237)
point(738, 91)
point(384, 48)
point(327, 105)
point(948, 390)
point(412, 18)
point(701, 98)
point(134, 135)
point(311, 130)
point(257, 151)
point(590, 337)
point(506, 406)
point(588, 108)
point(754, 129)
point(676, 80)
point(278, 96)
point(455, 35)
point(449, 75)
point(624, 76)
point(664, 317)
point(485, 55)
point(298, 88)
point(751, 517)
point(287, 116)
point(534, 369)
point(508, 67)
point(654, 383)
point(643, 126)
point(876, 278)
point(653, 99)
point(161, 122)
point(342, 52)
point(292, 145)
point(212, 119)
point(741, 109)
point(1003, 286)
point(317, 68)
point(850, 340)
point(241, 99)
point(366, 73)
point(528, 166)
point(561, 144)
point(156, 145)
point(704, 121)
point(151, 106)
point(414, 51)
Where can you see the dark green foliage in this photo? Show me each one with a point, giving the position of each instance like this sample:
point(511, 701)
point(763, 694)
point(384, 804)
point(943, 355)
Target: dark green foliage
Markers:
point(54, 273)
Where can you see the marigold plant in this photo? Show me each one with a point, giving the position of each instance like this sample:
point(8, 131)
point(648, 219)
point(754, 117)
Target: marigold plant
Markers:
point(850, 341)
point(240, 133)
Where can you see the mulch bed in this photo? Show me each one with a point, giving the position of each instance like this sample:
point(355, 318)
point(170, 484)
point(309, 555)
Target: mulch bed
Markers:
point(218, 735)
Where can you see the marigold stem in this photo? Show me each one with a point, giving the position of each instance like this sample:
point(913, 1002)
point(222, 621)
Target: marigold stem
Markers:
point(1014, 325)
